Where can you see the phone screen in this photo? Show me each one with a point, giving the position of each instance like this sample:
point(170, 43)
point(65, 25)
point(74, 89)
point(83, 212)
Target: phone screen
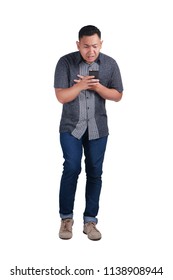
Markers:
point(94, 73)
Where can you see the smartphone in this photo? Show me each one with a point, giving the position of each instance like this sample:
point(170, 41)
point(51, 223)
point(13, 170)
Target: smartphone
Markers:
point(94, 73)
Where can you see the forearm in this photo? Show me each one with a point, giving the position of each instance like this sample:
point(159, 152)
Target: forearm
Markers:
point(65, 95)
point(107, 93)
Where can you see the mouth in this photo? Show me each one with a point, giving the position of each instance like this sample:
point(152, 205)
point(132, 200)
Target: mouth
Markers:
point(90, 57)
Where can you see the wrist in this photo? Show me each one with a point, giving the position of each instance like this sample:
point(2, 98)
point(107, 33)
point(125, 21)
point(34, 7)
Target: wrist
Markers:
point(77, 87)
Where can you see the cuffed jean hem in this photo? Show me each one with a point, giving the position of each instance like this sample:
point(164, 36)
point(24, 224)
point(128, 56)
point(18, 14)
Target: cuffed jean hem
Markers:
point(68, 216)
point(90, 219)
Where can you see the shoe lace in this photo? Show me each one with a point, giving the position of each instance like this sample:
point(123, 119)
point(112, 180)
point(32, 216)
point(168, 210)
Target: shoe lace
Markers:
point(67, 225)
point(92, 226)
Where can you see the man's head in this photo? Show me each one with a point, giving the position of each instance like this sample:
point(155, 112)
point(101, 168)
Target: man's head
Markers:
point(89, 43)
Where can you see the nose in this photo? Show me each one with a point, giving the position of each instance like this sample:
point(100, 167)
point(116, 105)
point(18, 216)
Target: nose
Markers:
point(91, 49)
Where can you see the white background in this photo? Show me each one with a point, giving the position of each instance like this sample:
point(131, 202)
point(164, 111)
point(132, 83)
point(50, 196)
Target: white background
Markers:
point(135, 215)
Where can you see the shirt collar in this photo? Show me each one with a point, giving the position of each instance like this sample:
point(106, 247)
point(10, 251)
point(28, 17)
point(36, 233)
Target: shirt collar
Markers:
point(79, 58)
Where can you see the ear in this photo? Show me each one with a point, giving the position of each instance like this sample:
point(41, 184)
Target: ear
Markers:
point(77, 43)
point(101, 42)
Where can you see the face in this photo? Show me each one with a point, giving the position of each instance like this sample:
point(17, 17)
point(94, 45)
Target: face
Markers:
point(89, 47)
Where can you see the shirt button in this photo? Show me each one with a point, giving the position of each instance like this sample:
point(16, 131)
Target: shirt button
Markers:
point(88, 108)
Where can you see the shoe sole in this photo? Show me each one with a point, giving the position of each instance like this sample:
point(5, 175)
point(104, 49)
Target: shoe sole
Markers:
point(65, 238)
point(92, 239)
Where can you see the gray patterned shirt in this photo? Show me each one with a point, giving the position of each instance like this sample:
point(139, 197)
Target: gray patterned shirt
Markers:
point(88, 110)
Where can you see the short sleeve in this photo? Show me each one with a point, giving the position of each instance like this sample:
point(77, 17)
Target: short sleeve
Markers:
point(116, 80)
point(61, 77)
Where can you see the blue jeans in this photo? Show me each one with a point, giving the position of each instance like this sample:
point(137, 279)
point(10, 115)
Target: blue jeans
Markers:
point(94, 151)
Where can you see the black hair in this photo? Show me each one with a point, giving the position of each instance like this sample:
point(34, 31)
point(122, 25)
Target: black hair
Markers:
point(89, 30)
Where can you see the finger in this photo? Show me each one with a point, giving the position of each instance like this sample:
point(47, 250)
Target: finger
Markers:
point(94, 81)
point(90, 77)
point(80, 76)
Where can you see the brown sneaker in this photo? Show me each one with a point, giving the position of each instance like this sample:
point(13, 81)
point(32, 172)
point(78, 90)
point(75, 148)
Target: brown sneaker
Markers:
point(65, 231)
point(92, 232)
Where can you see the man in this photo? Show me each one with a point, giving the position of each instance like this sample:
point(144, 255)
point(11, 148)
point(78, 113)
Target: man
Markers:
point(83, 125)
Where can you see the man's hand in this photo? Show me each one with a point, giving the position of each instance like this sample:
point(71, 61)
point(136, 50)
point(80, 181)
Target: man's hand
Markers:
point(87, 82)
